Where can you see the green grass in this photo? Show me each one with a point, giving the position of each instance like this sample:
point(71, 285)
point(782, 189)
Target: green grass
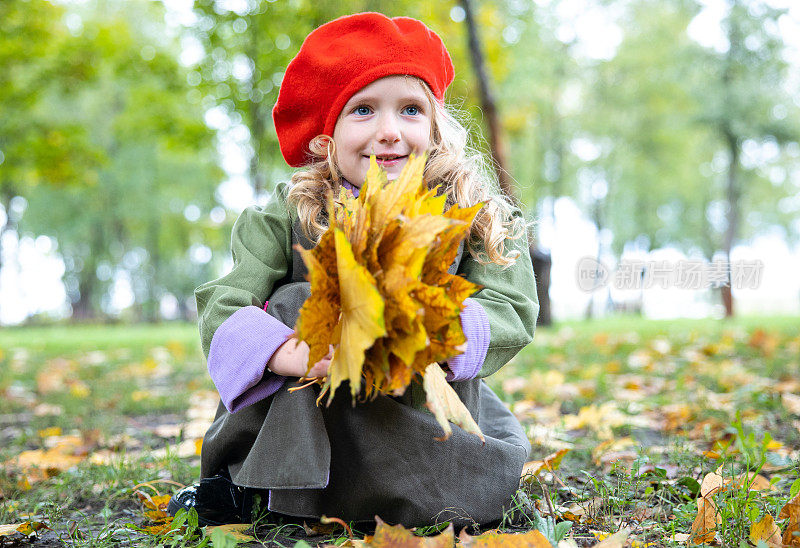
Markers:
point(77, 338)
point(679, 398)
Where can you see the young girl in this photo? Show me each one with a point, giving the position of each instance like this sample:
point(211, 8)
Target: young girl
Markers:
point(362, 84)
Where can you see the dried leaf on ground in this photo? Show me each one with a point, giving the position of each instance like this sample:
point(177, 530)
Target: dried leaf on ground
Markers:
point(617, 540)
point(155, 510)
point(705, 524)
point(397, 536)
point(25, 528)
point(445, 404)
point(766, 530)
point(551, 462)
point(235, 531)
point(41, 464)
point(601, 418)
point(712, 483)
point(791, 510)
point(492, 539)
point(155, 502)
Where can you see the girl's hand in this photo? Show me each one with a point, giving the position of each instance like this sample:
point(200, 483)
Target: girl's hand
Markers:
point(291, 360)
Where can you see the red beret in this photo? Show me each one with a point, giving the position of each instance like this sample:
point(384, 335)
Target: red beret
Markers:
point(341, 57)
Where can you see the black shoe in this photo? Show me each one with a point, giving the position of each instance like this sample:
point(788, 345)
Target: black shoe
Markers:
point(217, 501)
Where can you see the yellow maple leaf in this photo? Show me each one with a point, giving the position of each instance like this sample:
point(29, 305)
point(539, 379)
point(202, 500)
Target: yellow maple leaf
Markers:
point(490, 539)
point(551, 462)
point(233, 531)
point(766, 530)
point(320, 313)
point(398, 536)
point(445, 405)
point(361, 318)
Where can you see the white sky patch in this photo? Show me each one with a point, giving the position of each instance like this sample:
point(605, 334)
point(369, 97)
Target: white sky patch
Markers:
point(192, 51)
point(236, 193)
point(585, 149)
point(179, 12)
point(706, 28)
point(30, 281)
point(592, 28)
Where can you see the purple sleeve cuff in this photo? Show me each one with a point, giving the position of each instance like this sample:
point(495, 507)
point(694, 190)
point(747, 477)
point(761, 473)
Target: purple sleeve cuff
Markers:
point(240, 350)
point(475, 324)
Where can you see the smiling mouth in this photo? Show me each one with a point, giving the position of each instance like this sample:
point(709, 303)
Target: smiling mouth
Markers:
point(388, 159)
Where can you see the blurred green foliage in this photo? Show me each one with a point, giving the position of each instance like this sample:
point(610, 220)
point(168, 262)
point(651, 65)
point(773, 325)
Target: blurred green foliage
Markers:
point(102, 129)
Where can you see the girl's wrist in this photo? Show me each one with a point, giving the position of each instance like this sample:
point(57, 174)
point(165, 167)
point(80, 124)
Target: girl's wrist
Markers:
point(289, 359)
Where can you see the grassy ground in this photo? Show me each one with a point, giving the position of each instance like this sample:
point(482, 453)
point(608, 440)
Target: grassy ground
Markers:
point(642, 411)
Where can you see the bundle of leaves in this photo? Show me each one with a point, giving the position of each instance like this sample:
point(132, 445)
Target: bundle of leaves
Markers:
point(381, 293)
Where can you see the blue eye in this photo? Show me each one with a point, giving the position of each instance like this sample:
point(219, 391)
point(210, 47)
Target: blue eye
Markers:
point(412, 110)
point(362, 110)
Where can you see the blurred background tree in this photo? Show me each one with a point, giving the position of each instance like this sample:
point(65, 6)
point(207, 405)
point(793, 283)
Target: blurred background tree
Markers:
point(117, 119)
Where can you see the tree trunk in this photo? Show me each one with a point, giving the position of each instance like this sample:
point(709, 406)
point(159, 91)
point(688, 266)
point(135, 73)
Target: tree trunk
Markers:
point(541, 267)
point(150, 308)
point(85, 307)
point(3, 229)
point(9, 223)
point(733, 194)
point(487, 102)
point(541, 261)
point(257, 177)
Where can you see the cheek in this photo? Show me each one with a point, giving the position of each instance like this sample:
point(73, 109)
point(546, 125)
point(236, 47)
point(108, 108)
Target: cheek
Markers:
point(422, 139)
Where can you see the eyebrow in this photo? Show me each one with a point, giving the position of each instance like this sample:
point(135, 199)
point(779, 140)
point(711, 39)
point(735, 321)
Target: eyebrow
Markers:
point(421, 98)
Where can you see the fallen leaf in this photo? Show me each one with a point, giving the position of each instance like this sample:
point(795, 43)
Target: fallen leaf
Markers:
point(157, 515)
point(398, 536)
point(600, 418)
point(491, 539)
point(318, 528)
point(41, 464)
point(156, 502)
point(765, 530)
point(755, 482)
point(761, 340)
point(617, 540)
point(610, 451)
point(235, 531)
point(158, 529)
point(26, 528)
point(361, 316)
point(712, 483)
point(791, 511)
point(550, 462)
point(705, 524)
point(445, 405)
point(50, 431)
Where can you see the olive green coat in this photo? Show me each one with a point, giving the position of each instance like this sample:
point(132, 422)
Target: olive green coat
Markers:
point(373, 458)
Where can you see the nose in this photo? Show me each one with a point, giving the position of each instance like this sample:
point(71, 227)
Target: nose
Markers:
point(388, 129)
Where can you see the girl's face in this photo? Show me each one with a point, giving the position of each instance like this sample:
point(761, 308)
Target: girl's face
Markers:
point(390, 118)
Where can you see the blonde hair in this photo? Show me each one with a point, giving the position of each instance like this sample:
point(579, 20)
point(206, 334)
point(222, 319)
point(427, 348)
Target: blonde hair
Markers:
point(464, 173)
